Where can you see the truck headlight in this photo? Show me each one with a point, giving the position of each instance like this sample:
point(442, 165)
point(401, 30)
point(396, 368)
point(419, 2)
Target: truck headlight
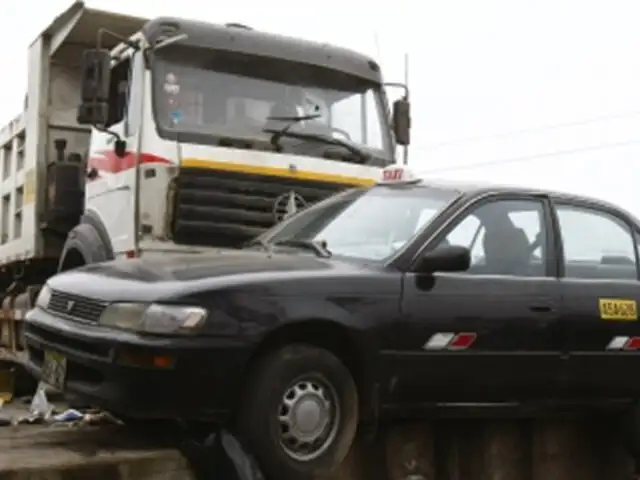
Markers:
point(153, 318)
point(42, 301)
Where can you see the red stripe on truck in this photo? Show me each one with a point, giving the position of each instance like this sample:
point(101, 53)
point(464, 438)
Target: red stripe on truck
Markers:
point(107, 161)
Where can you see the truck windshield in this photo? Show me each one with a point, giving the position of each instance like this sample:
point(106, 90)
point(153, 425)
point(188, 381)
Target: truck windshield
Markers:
point(367, 224)
point(216, 97)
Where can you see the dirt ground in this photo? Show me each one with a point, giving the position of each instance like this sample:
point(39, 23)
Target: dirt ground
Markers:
point(62, 445)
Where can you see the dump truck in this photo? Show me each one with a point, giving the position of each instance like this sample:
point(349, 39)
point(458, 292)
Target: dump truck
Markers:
point(143, 137)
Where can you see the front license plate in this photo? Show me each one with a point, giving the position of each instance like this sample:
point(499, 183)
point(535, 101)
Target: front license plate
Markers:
point(54, 369)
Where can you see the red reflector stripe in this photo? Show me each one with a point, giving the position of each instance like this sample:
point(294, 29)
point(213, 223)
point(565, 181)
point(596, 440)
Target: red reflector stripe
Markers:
point(462, 341)
point(632, 344)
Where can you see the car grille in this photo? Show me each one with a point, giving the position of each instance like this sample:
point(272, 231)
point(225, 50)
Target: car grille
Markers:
point(225, 209)
point(75, 306)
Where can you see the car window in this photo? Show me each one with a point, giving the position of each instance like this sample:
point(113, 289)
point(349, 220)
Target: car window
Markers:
point(505, 237)
point(596, 244)
point(367, 224)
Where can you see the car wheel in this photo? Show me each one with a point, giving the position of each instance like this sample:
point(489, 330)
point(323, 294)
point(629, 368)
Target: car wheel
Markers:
point(299, 415)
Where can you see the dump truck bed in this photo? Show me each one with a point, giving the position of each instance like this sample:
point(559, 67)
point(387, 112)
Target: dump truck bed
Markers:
point(27, 148)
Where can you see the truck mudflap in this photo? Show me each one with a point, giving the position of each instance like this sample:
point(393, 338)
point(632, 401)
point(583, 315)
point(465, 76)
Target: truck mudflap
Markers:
point(229, 208)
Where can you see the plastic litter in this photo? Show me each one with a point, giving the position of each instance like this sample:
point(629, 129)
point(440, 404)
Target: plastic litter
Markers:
point(69, 415)
point(220, 456)
point(99, 418)
point(40, 405)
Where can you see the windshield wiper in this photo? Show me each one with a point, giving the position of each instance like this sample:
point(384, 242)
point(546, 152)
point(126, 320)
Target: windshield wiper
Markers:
point(277, 134)
point(358, 152)
point(258, 242)
point(319, 248)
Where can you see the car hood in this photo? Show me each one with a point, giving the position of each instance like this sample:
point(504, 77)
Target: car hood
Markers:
point(148, 279)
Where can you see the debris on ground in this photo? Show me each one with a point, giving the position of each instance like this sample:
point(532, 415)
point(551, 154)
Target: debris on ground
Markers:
point(212, 455)
point(39, 410)
point(219, 455)
point(40, 405)
point(69, 415)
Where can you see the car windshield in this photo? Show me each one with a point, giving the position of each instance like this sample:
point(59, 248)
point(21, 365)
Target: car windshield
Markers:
point(366, 224)
point(210, 96)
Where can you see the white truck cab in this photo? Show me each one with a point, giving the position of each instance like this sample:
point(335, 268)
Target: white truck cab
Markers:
point(202, 132)
point(142, 137)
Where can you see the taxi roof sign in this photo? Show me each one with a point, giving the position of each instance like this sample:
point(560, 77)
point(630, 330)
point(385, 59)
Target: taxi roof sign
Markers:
point(397, 175)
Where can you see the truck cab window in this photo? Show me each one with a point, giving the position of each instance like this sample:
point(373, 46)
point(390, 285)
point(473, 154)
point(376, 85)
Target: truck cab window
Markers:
point(205, 95)
point(118, 92)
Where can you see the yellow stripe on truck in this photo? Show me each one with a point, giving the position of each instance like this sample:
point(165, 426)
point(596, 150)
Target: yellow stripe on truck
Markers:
point(277, 172)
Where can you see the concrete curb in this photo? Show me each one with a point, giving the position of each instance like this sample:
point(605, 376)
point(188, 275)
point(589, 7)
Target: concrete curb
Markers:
point(161, 465)
point(103, 453)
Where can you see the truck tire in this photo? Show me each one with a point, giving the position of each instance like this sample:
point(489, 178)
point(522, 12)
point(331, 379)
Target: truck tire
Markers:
point(299, 414)
point(82, 247)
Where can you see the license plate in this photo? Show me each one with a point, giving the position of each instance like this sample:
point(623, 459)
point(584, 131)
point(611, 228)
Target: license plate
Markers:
point(54, 369)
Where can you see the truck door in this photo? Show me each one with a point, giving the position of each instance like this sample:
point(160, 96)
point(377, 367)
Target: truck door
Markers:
point(600, 295)
point(491, 333)
point(111, 179)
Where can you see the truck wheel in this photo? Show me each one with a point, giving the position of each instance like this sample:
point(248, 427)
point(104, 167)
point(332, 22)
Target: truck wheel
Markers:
point(300, 412)
point(82, 247)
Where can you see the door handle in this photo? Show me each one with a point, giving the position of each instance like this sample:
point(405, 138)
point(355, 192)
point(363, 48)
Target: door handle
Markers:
point(541, 308)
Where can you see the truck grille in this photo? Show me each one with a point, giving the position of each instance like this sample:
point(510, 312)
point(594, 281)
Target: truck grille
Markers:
point(226, 209)
point(75, 306)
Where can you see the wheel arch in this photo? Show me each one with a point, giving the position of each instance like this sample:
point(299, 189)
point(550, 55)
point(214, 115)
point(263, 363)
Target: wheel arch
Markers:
point(344, 342)
point(88, 242)
point(91, 217)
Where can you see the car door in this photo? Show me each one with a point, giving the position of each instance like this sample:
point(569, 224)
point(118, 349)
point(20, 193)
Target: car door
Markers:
point(600, 295)
point(487, 334)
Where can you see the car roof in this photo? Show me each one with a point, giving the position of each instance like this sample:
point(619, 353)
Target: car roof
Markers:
point(473, 189)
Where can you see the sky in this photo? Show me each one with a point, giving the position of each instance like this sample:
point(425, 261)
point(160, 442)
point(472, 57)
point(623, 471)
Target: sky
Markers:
point(543, 93)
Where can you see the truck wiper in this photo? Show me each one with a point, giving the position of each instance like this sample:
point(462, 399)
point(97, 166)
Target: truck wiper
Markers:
point(319, 248)
point(358, 152)
point(277, 134)
point(258, 242)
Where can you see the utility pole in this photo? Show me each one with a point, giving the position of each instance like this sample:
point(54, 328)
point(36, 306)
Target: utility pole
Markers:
point(406, 82)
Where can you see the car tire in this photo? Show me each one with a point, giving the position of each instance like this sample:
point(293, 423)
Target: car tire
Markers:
point(285, 383)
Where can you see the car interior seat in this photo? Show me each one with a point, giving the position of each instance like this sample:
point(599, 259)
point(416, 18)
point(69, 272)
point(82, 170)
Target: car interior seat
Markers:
point(506, 247)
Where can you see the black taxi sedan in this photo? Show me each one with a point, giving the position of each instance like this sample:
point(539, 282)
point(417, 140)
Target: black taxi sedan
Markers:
point(400, 299)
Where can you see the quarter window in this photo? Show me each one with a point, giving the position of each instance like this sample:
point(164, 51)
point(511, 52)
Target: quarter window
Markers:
point(505, 237)
point(596, 244)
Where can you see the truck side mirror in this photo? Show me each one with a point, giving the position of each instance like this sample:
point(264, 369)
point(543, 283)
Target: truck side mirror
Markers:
point(96, 72)
point(402, 121)
point(93, 113)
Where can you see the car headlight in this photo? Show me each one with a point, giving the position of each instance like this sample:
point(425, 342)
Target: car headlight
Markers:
point(43, 297)
point(153, 318)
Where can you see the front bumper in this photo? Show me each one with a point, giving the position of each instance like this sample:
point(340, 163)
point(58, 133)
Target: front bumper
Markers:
point(201, 384)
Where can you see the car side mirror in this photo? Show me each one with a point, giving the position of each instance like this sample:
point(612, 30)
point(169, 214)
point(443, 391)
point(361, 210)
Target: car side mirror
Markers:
point(96, 72)
point(451, 258)
point(402, 121)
